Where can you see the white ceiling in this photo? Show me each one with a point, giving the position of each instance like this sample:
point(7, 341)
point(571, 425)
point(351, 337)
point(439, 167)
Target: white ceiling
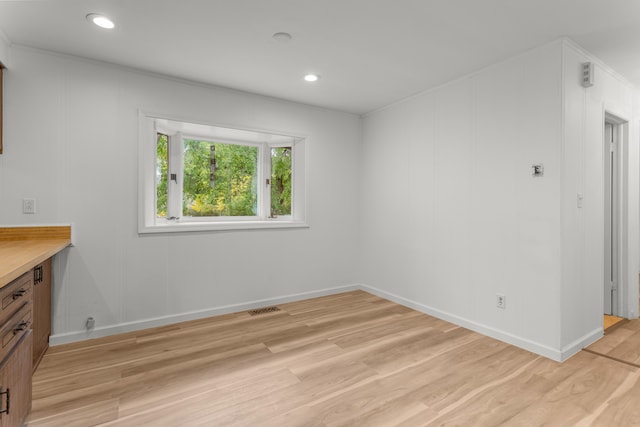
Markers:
point(370, 53)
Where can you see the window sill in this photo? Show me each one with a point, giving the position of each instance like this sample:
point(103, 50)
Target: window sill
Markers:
point(185, 227)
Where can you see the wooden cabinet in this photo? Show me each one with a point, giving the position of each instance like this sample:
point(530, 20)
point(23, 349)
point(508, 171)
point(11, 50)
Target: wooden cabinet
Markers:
point(25, 311)
point(41, 310)
point(16, 341)
point(15, 383)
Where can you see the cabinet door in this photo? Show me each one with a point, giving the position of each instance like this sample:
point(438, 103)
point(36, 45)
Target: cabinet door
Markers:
point(15, 384)
point(41, 310)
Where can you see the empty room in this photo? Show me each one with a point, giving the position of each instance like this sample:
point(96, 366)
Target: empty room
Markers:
point(334, 213)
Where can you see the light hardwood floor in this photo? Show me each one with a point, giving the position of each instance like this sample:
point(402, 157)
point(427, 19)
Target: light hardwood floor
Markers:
point(345, 360)
point(611, 321)
point(621, 343)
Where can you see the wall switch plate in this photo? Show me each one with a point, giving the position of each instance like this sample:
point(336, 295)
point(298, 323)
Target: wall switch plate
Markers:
point(28, 206)
point(501, 301)
point(537, 170)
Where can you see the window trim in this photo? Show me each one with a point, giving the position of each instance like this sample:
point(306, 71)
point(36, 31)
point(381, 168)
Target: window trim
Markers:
point(149, 223)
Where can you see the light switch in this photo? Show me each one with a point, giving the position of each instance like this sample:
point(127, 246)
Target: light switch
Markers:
point(580, 199)
point(538, 170)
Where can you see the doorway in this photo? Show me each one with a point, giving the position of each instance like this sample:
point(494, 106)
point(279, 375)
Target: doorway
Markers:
point(611, 215)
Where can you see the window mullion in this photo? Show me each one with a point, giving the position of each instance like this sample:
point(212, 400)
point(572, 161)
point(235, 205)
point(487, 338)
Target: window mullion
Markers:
point(293, 180)
point(265, 154)
point(174, 189)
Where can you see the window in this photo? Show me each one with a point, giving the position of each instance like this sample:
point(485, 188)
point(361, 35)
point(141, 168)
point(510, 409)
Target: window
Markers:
point(199, 177)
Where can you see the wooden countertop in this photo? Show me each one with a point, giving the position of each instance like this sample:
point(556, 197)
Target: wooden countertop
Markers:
point(22, 248)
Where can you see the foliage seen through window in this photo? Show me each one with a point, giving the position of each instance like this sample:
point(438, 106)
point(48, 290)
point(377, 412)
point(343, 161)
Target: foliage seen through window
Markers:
point(234, 190)
point(221, 179)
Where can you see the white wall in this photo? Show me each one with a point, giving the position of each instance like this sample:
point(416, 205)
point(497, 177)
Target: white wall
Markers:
point(453, 216)
point(70, 142)
point(583, 172)
point(4, 50)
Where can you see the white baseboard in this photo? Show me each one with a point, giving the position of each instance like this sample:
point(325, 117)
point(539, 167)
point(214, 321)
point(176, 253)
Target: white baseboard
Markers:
point(558, 355)
point(581, 343)
point(534, 347)
point(137, 325)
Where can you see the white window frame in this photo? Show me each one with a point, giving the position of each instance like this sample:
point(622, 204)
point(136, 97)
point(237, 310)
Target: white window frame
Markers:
point(148, 222)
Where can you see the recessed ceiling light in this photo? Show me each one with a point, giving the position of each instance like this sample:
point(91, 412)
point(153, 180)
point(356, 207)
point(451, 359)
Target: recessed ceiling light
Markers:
point(311, 77)
point(282, 37)
point(101, 21)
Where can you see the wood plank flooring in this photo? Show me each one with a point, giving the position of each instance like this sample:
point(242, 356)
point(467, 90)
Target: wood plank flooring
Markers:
point(620, 343)
point(610, 321)
point(351, 359)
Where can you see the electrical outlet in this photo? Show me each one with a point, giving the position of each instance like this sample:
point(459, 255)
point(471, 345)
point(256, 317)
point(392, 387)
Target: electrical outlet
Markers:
point(91, 323)
point(501, 301)
point(28, 206)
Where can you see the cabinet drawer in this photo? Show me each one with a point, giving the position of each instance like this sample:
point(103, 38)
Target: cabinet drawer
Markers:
point(17, 326)
point(15, 294)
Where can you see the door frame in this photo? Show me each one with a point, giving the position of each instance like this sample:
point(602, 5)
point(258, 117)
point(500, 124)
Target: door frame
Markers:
point(620, 129)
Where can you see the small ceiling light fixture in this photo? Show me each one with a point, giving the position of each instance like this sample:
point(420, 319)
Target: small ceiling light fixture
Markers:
point(282, 37)
point(101, 21)
point(311, 78)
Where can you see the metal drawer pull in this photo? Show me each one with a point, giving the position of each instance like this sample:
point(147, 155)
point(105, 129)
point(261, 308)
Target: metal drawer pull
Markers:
point(37, 275)
point(19, 293)
point(21, 327)
point(5, 411)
